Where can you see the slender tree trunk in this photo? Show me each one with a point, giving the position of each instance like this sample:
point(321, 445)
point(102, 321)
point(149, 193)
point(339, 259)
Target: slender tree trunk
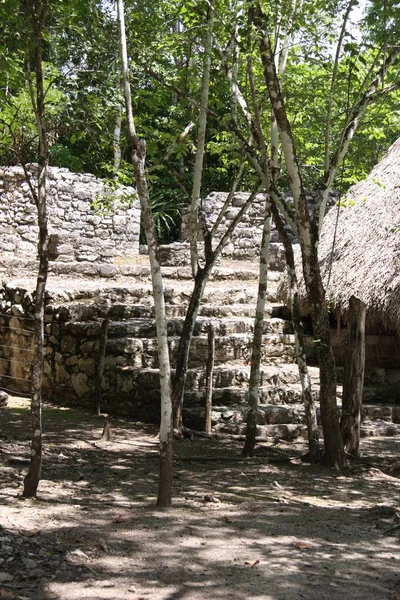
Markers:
point(314, 453)
point(138, 162)
point(192, 312)
point(253, 398)
point(35, 22)
point(353, 377)
point(117, 141)
point(201, 139)
point(308, 239)
point(182, 358)
point(100, 364)
point(209, 377)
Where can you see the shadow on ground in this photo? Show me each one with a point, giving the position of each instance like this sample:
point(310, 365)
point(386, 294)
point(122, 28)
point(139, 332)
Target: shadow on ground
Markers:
point(269, 528)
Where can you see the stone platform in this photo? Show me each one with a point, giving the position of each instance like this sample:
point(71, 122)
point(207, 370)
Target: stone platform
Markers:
point(79, 298)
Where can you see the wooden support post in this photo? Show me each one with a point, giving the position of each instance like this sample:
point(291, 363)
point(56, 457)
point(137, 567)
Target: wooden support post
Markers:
point(209, 376)
point(339, 333)
point(353, 377)
point(100, 363)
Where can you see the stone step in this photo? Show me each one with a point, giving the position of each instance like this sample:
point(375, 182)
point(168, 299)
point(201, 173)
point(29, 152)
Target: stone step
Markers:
point(146, 328)
point(178, 254)
point(239, 376)
point(139, 268)
point(231, 396)
point(236, 347)
point(272, 310)
point(176, 290)
point(121, 311)
point(235, 376)
point(376, 420)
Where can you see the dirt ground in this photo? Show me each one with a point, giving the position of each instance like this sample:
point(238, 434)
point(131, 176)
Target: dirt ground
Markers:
point(267, 528)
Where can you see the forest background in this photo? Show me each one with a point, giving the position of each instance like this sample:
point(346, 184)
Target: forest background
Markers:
point(85, 105)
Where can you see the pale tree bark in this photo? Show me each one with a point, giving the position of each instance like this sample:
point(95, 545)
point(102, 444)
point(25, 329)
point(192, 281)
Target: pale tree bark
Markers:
point(101, 353)
point(256, 351)
point(254, 381)
point(138, 162)
point(117, 141)
point(314, 451)
point(209, 377)
point(308, 238)
point(201, 139)
point(35, 15)
point(353, 376)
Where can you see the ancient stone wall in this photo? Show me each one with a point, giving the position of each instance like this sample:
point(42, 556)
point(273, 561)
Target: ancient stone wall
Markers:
point(246, 239)
point(77, 231)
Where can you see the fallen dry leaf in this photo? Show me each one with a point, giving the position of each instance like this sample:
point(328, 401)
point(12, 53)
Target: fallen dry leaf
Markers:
point(256, 562)
point(252, 563)
point(118, 519)
point(303, 545)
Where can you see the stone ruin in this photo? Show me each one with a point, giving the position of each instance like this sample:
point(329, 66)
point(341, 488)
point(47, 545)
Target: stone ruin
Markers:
point(78, 232)
point(81, 294)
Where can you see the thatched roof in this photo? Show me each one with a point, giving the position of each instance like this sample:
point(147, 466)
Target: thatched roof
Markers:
point(365, 255)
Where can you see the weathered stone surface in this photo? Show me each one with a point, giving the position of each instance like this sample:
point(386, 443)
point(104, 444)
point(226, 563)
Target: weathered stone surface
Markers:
point(3, 399)
point(80, 384)
point(72, 219)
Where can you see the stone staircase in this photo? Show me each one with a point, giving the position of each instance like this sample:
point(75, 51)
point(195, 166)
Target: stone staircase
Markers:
point(77, 304)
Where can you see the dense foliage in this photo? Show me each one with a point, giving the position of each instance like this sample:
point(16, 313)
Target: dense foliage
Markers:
point(166, 42)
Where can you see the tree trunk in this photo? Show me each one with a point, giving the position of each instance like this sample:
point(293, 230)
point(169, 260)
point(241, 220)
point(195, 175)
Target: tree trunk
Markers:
point(209, 377)
point(138, 162)
point(117, 141)
point(333, 445)
point(200, 281)
point(308, 239)
point(182, 358)
point(314, 453)
point(253, 399)
point(201, 139)
point(100, 363)
point(353, 377)
point(37, 19)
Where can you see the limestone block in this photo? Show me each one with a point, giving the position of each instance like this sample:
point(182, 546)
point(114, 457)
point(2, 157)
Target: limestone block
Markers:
point(86, 256)
point(112, 362)
point(71, 361)
point(80, 384)
point(7, 247)
point(56, 249)
point(68, 345)
point(88, 346)
point(87, 365)
point(62, 375)
point(90, 269)
point(108, 271)
point(107, 252)
point(31, 235)
point(277, 414)
point(7, 229)
point(94, 220)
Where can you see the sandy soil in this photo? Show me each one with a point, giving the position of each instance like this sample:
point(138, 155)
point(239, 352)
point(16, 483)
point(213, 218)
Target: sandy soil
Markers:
point(268, 528)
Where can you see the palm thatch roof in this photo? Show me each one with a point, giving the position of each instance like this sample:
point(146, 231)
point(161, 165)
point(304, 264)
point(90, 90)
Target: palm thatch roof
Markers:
point(363, 257)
